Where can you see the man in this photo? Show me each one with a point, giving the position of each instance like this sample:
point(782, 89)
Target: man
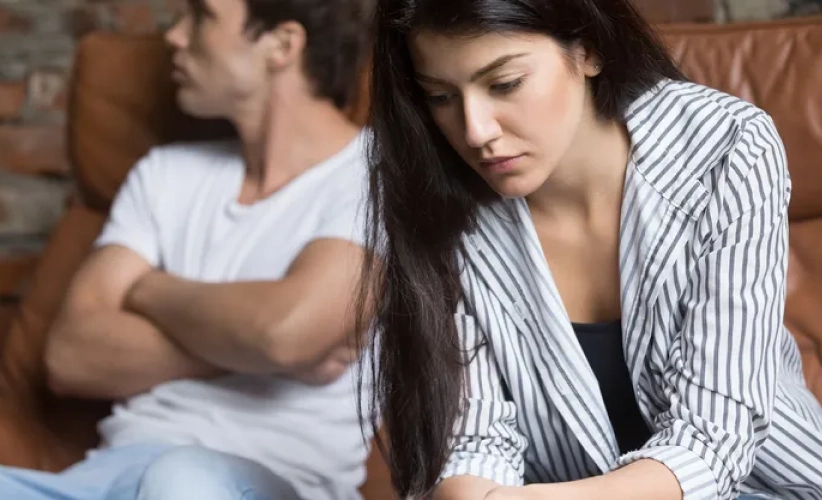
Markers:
point(216, 305)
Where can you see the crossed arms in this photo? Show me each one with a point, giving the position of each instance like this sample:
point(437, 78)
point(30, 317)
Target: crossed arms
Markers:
point(125, 327)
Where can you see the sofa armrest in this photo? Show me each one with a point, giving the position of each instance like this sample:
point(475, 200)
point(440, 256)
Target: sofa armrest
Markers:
point(19, 437)
point(17, 429)
point(8, 308)
point(15, 271)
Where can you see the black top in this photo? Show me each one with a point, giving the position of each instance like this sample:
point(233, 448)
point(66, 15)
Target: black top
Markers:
point(602, 344)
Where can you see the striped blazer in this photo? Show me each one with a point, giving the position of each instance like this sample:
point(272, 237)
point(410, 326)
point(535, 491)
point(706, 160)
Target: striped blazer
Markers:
point(703, 257)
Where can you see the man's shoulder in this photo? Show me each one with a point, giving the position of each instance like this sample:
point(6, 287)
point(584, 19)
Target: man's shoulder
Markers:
point(169, 175)
point(352, 160)
point(197, 155)
point(346, 172)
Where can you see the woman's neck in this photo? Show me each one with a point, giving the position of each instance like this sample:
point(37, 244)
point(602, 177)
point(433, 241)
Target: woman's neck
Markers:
point(590, 177)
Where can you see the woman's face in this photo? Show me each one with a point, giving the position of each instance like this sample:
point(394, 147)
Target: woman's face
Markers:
point(509, 104)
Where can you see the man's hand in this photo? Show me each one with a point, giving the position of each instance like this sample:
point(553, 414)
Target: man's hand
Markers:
point(288, 326)
point(331, 368)
point(325, 372)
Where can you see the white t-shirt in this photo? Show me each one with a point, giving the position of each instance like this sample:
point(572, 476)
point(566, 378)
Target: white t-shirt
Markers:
point(178, 210)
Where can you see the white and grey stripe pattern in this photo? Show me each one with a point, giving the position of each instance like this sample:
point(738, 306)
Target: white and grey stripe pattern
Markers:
point(703, 257)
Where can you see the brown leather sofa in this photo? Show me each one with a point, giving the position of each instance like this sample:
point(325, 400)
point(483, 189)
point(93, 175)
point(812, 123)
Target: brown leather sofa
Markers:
point(122, 103)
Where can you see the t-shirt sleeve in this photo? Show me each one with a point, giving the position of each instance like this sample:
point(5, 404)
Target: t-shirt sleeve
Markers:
point(344, 215)
point(132, 220)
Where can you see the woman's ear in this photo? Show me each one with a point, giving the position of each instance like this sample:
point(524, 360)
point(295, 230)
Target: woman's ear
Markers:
point(284, 45)
point(584, 61)
point(591, 63)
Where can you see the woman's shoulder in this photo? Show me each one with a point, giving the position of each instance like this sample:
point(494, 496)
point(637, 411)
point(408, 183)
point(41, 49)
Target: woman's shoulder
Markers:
point(685, 133)
point(688, 117)
point(677, 103)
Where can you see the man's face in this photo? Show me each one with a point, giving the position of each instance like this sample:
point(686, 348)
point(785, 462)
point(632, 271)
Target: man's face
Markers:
point(218, 65)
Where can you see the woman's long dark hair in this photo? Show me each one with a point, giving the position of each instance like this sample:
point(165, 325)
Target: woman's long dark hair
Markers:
point(424, 197)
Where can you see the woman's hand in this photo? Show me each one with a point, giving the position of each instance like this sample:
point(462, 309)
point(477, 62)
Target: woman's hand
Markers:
point(509, 493)
point(558, 491)
point(643, 479)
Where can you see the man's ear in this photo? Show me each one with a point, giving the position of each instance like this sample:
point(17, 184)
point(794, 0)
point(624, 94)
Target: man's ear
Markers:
point(284, 45)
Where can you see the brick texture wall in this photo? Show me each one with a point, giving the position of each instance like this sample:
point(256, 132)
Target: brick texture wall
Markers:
point(37, 41)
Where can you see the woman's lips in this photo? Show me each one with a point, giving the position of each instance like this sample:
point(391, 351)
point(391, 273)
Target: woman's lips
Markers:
point(500, 164)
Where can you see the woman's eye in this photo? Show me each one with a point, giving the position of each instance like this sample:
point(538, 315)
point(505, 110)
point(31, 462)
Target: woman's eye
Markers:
point(506, 87)
point(437, 99)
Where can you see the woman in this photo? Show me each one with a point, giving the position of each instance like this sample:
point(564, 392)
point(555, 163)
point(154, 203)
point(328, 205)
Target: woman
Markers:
point(582, 262)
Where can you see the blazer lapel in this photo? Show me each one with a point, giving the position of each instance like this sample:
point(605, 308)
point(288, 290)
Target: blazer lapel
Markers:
point(507, 255)
point(646, 217)
point(663, 199)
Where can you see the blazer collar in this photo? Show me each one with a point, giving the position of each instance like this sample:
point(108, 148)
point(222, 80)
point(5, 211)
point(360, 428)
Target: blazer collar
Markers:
point(506, 255)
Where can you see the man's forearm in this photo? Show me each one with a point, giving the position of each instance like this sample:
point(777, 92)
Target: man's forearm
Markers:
point(112, 354)
point(222, 323)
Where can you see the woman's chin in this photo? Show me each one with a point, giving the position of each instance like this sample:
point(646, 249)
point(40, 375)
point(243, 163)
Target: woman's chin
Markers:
point(513, 186)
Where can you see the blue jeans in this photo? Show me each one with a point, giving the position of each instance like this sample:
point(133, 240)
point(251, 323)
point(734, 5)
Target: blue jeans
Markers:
point(150, 472)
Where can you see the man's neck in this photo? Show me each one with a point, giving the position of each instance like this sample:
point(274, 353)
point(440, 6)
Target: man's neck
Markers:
point(290, 136)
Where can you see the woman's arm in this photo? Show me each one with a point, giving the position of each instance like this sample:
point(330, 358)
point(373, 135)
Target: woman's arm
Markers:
point(642, 480)
point(465, 488)
point(488, 446)
point(721, 373)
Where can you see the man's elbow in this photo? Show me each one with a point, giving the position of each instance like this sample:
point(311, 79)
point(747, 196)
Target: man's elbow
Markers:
point(295, 351)
point(69, 374)
point(311, 367)
point(61, 367)
point(67, 370)
point(61, 386)
point(286, 352)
